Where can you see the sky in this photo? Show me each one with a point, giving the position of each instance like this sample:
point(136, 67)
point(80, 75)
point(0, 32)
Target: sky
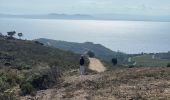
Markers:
point(143, 8)
point(130, 7)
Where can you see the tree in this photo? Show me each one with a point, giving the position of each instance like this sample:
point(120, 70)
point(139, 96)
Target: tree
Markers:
point(114, 61)
point(90, 53)
point(11, 34)
point(0, 34)
point(20, 35)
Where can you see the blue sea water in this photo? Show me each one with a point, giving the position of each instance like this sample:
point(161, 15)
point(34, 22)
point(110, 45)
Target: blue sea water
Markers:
point(126, 36)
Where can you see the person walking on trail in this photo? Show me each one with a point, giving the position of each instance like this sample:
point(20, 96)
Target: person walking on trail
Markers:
point(82, 62)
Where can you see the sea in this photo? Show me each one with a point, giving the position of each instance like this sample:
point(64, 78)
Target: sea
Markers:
point(126, 36)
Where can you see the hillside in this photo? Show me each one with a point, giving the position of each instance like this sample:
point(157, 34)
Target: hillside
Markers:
point(81, 48)
point(150, 60)
point(115, 84)
point(165, 55)
point(32, 53)
point(29, 66)
point(38, 72)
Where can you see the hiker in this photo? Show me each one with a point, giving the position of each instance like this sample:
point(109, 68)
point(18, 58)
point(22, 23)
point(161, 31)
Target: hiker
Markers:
point(82, 69)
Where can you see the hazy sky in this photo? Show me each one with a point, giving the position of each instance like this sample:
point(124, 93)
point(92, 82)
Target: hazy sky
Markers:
point(136, 7)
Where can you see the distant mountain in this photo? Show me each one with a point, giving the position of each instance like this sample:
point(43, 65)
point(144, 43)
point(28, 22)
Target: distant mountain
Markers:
point(66, 16)
point(50, 16)
point(81, 48)
point(129, 17)
point(91, 17)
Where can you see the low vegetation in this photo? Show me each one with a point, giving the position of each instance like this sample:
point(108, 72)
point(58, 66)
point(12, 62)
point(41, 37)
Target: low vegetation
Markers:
point(148, 60)
point(114, 61)
point(91, 54)
point(8, 80)
point(80, 48)
point(168, 65)
point(28, 54)
point(163, 55)
point(30, 66)
point(142, 83)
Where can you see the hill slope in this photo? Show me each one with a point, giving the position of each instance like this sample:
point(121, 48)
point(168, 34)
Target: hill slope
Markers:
point(29, 66)
point(150, 61)
point(80, 48)
point(31, 53)
point(115, 84)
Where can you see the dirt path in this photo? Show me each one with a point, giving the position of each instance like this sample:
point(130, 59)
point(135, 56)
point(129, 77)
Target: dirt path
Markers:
point(96, 65)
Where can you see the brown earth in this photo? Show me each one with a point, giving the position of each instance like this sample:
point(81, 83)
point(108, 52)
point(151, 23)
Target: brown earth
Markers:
point(96, 65)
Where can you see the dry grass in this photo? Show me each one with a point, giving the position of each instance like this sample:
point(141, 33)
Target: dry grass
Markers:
point(116, 84)
point(135, 84)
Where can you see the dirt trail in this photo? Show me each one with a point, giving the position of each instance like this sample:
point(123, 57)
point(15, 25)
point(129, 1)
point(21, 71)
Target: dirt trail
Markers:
point(96, 65)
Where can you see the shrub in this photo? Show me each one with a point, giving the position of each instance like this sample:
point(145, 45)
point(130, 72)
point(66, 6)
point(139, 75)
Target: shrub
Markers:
point(131, 66)
point(8, 79)
point(46, 78)
point(23, 67)
point(90, 54)
point(43, 79)
point(8, 96)
point(11, 34)
point(168, 65)
point(37, 42)
point(3, 84)
point(27, 88)
point(114, 61)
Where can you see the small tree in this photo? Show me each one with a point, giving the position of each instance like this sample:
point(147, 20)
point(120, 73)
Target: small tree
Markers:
point(11, 34)
point(20, 35)
point(90, 54)
point(114, 61)
point(1, 35)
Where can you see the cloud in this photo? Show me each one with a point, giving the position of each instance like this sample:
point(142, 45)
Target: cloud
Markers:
point(86, 6)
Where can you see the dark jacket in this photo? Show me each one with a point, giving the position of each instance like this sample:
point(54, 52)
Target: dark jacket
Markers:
point(82, 61)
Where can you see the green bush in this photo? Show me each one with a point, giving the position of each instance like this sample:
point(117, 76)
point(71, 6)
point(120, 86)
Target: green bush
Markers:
point(27, 88)
point(8, 96)
point(37, 42)
point(114, 61)
point(3, 83)
point(39, 80)
point(91, 54)
point(168, 65)
point(131, 66)
point(46, 78)
point(8, 79)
